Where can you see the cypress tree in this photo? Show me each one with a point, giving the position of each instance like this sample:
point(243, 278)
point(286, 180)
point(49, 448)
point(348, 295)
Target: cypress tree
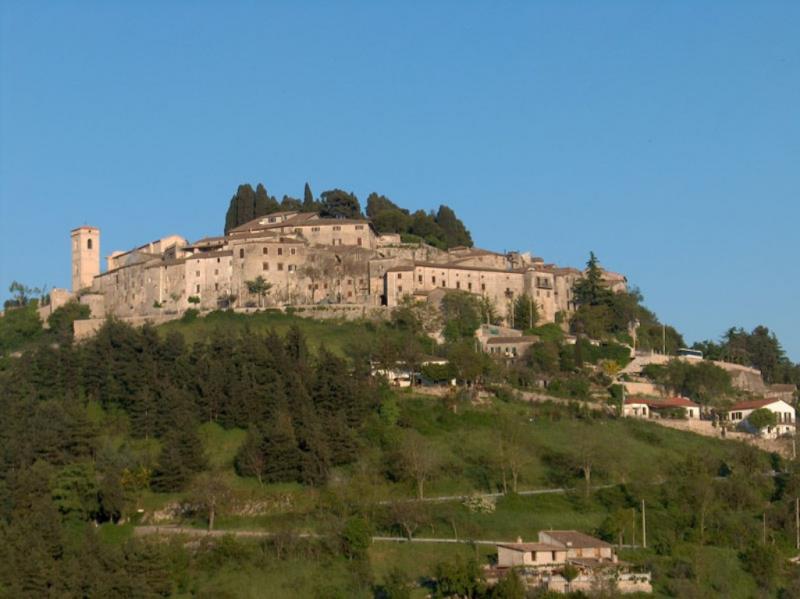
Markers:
point(264, 203)
point(309, 205)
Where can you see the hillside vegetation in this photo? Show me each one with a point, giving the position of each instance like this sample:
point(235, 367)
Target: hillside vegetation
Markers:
point(242, 423)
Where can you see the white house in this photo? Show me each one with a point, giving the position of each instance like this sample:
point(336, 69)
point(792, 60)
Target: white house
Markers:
point(648, 407)
point(784, 416)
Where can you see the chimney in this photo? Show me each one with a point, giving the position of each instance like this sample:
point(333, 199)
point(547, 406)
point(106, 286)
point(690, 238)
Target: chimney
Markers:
point(519, 539)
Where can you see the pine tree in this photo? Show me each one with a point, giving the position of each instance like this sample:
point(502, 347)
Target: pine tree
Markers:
point(336, 203)
point(279, 447)
point(181, 456)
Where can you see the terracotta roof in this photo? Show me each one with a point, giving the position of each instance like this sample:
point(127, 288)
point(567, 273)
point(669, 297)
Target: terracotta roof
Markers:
point(520, 339)
point(671, 402)
point(754, 404)
point(256, 223)
point(204, 255)
point(455, 266)
point(782, 388)
point(531, 546)
point(336, 221)
point(575, 539)
point(267, 236)
point(207, 241)
point(399, 268)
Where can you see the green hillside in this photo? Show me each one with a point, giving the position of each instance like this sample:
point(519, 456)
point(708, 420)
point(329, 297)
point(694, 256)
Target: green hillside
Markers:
point(275, 421)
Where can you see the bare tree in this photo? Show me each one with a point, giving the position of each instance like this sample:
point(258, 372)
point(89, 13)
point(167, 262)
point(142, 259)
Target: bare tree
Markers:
point(515, 454)
point(419, 460)
point(211, 495)
point(408, 515)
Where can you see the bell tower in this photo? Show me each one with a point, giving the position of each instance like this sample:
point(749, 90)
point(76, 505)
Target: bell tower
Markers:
point(85, 256)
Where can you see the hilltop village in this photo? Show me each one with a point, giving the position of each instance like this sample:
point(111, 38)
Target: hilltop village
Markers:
point(293, 258)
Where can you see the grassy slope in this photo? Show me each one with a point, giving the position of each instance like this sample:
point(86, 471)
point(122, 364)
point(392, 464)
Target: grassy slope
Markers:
point(629, 451)
point(333, 334)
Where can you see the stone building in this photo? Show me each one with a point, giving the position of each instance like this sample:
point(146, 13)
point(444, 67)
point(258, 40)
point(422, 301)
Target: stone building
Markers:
point(306, 259)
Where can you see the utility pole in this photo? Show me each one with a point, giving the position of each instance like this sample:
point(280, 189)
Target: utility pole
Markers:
point(644, 527)
point(633, 527)
point(797, 522)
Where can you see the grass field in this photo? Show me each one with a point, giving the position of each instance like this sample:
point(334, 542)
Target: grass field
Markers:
point(334, 334)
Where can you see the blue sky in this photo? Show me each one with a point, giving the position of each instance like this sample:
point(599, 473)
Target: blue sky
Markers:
point(665, 136)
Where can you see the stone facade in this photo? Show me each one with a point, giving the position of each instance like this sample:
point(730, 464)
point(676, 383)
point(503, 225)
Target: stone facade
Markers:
point(306, 259)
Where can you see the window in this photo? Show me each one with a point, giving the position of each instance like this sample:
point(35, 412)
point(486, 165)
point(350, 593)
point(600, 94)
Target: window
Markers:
point(469, 286)
point(216, 286)
point(265, 251)
point(293, 251)
point(217, 260)
point(458, 284)
point(280, 251)
point(292, 267)
point(399, 275)
point(280, 265)
point(443, 283)
point(216, 272)
point(197, 273)
point(359, 227)
point(419, 278)
point(433, 279)
point(241, 253)
point(399, 289)
point(349, 294)
point(315, 229)
point(358, 241)
point(265, 266)
point(337, 228)
point(198, 288)
point(88, 244)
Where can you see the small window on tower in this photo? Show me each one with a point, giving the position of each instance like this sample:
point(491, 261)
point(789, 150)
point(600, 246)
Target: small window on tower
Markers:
point(88, 244)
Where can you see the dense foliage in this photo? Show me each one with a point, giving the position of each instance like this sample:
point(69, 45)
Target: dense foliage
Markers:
point(602, 313)
point(759, 349)
point(704, 382)
point(442, 228)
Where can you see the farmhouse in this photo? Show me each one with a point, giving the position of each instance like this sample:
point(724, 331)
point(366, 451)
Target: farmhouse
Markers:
point(542, 564)
point(784, 417)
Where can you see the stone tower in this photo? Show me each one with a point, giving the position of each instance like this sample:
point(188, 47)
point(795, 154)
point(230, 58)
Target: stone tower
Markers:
point(85, 256)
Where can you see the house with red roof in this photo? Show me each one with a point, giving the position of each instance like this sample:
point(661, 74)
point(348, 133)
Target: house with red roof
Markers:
point(785, 417)
point(650, 407)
